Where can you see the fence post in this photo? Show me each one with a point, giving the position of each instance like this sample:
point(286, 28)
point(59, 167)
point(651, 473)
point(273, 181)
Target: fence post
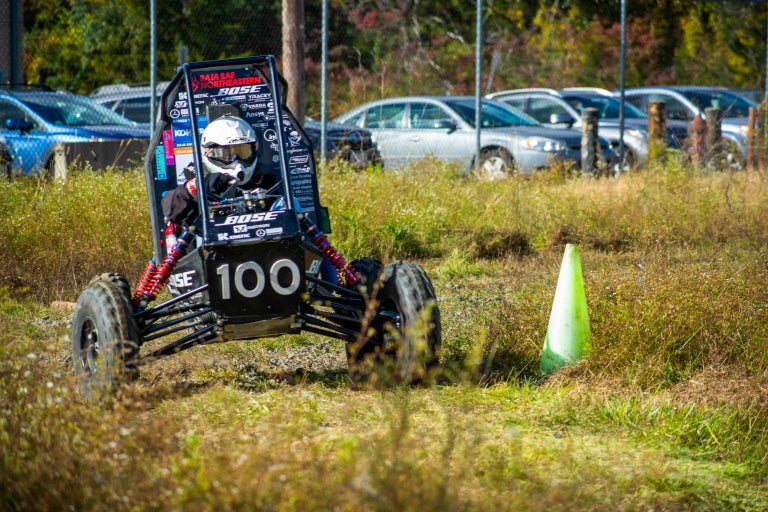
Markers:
point(697, 140)
point(714, 134)
point(751, 139)
point(657, 128)
point(589, 140)
point(760, 139)
point(59, 162)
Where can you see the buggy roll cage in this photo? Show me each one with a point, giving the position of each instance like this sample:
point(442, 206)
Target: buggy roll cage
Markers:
point(251, 88)
point(187, 78)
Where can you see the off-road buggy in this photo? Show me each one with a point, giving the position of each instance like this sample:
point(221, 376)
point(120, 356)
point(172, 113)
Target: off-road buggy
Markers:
point(248, 267)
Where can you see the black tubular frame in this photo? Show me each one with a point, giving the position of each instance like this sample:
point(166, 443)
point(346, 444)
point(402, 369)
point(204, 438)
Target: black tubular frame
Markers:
point(327, 308)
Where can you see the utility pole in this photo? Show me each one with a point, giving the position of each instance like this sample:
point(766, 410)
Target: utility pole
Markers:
point(293, 56)
point(11, 35)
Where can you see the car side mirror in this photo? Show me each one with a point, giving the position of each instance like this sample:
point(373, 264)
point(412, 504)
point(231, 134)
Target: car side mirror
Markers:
point(561, 118)
point(446, 124)
point(15, 123)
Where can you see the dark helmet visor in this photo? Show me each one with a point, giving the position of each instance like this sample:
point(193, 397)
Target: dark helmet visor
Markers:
point(245, 152)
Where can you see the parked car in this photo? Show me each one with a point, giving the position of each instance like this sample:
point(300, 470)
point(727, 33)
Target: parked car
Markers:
point(562, 108)
point(350, 143)
point(414, 127)
point(354, 144)
point(685, 102)
point(34, 119)
point(129, 100)
point(754, 95)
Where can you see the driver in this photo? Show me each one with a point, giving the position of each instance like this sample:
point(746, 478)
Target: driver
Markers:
point(229, 147)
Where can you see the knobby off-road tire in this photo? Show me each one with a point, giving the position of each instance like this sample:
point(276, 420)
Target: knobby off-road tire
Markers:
point(117, 279)
point(105, 337)
point(401, 344)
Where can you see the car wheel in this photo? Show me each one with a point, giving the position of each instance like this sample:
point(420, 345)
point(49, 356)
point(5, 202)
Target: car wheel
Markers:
point(628, 163)
point(105, 339)
point(495, 163)
point(406, 337)
point(5, 162)
point(729, 158)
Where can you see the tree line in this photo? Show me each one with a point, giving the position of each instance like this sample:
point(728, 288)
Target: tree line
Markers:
point(390, 47)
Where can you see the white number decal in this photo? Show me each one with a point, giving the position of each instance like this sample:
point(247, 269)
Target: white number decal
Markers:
point(295, 277)
point(274, 282)
point(240, 284)
point(223, 271)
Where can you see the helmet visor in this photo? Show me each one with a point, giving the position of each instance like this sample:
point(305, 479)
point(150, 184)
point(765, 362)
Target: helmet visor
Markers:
point(245, 152)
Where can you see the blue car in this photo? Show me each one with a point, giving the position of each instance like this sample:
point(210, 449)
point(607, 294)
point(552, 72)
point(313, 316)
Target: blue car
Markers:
point(33, 121)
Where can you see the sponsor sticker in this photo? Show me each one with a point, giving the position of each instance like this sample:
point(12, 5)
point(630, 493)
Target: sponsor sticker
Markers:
point(168, 147)
point(160, 163)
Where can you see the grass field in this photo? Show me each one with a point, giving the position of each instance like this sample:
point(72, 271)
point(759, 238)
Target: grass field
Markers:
point(668, 412)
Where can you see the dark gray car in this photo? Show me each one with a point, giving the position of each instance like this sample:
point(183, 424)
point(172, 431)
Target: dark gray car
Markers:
point(414, 127)
point(683, 103)
point(563, 107)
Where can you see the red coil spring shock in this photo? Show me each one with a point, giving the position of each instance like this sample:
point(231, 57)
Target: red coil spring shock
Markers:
point(163, 272)
point(349, 274)
point(144, 282)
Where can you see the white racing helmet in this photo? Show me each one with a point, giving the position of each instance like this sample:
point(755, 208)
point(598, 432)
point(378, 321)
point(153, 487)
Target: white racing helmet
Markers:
point(229, 146)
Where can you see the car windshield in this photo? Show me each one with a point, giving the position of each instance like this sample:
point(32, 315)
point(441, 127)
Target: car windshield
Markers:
point(492, 115)
point(72, 110)
point(607, 106)
point(732, 105)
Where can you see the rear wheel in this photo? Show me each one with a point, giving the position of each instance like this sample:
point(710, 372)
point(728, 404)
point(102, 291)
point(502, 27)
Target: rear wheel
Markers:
point(495, 163)
point(402, 342)
point(105, 337)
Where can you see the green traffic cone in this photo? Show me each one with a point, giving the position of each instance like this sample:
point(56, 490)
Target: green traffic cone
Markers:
point(568, 333)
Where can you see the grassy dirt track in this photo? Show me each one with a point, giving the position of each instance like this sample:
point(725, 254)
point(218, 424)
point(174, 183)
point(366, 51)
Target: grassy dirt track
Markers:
point(667, 413)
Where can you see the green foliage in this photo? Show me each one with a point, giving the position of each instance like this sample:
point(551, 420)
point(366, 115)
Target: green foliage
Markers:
point(387, 48)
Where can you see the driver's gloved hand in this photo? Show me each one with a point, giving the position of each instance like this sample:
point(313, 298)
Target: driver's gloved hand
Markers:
point(180, 204)
point(217, 182)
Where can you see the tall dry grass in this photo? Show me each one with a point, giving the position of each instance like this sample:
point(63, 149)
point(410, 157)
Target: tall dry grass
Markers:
point(666, 413)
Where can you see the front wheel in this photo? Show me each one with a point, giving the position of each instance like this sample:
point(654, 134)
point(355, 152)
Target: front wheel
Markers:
point(402, 342)
point(104, 337)
point(495, 163)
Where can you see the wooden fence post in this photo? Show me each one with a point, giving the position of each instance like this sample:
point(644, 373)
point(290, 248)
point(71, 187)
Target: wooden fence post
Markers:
point(697, 141)
point(657, 128)
point(59, 162)
point(751, 139)
point(760, 139)
point(589, 141)
point(714, 134)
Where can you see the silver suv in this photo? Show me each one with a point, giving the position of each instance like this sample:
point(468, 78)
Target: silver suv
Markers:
point(562, 108)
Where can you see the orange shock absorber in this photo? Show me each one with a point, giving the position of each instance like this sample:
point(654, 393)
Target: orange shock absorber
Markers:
point(320, 240)
point(163, 272)
point(144, 282)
